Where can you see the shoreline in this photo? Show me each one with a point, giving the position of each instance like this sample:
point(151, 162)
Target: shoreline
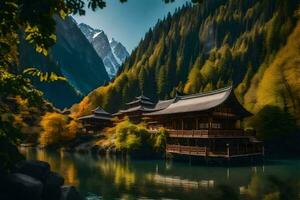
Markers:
point(197, 162)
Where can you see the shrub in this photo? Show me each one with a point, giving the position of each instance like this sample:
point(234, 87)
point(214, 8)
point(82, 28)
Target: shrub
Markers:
point(56, 129)
point(136, 138)
point(272, 122)
point(129, 136)
point(159, 139)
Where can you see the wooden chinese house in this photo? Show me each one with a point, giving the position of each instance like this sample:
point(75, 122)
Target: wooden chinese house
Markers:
point(136, 108)
point(96, 121)
point(206, 125)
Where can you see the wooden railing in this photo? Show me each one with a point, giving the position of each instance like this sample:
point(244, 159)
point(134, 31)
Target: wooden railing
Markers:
point(204, 151)
point(190, 150)
point(250, 149)
point(209, 132)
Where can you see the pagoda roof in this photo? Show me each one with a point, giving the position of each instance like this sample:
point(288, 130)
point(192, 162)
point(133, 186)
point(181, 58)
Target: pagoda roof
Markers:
point(200, 102)
point(141, 101)
point(143, 97)
point(100, 111)
point(162, 104)
point(133, 109)
point(93, 116)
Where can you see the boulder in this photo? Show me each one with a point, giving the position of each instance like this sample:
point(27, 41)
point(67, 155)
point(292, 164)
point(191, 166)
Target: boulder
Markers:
point(34, 168)
point(70, 193)
point(23, 187)
point(52, 186)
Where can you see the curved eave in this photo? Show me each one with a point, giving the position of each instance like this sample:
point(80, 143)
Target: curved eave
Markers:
point(95, 117)
point(100, 111)
point(242, 111)
point(196, 102)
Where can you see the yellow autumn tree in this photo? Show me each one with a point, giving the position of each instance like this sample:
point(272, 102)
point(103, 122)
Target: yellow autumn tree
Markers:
point(280, 84)
point(57, 128)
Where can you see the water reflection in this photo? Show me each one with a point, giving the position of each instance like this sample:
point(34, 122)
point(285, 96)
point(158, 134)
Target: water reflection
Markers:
point(112, 178)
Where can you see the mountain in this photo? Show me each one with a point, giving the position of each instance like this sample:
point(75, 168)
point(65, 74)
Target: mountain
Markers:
point(113, 53)
point(120, 52)
point(251, 44)
point(61, 93)
point(73, 57)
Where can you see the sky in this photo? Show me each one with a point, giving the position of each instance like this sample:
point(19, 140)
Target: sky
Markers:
point(128, 22)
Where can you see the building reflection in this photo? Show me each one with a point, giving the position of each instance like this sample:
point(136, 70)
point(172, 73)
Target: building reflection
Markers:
point(113, 178)
point(175, 181)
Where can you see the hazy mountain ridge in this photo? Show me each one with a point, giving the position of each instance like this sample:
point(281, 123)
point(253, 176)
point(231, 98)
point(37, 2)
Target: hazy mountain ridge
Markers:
point(112, 52)
point(61, 93)
point(73, 57)
point(205, 47)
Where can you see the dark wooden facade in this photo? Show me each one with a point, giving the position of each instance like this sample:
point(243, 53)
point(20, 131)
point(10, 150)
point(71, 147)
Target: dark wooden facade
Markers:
point(206, 125)
point(96, 122)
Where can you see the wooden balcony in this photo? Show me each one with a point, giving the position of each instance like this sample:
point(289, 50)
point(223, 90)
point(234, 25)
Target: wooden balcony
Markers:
point(188, 150)
point(206, 152)
point(210, 133)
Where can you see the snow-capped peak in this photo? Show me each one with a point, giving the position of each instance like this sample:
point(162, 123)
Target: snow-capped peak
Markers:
point(96, 34)
point(112, 52)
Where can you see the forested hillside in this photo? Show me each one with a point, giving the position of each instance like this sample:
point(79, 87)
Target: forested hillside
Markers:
point(252, 44)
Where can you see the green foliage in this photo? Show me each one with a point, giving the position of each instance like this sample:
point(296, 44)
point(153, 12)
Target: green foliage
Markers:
point(13, 85)
point(43, 76)
point(131, 137)
point(273, 122)
point(159, 139)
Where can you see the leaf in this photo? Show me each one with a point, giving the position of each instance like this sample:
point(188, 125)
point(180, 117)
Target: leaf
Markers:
point(53, 37)
point(63, 14)
point(43, 76)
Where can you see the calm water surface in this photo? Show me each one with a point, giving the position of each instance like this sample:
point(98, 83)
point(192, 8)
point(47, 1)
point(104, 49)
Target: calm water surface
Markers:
point(112, 178)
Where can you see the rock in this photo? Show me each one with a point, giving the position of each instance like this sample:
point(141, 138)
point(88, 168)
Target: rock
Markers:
point(33, 168)
point(52, 186)
point(70, 193)
point(23, 187)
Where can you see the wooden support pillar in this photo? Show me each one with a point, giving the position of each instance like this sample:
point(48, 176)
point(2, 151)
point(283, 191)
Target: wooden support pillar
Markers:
point(228, 150)
point(228, 173)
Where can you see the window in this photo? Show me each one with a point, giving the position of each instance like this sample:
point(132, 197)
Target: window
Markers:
point(203, 125)
point(216, 125)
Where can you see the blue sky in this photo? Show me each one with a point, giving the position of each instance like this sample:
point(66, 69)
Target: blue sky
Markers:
point(128, 22)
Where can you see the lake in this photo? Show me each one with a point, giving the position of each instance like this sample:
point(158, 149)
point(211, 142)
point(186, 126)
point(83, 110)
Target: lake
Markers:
point(112, 178)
